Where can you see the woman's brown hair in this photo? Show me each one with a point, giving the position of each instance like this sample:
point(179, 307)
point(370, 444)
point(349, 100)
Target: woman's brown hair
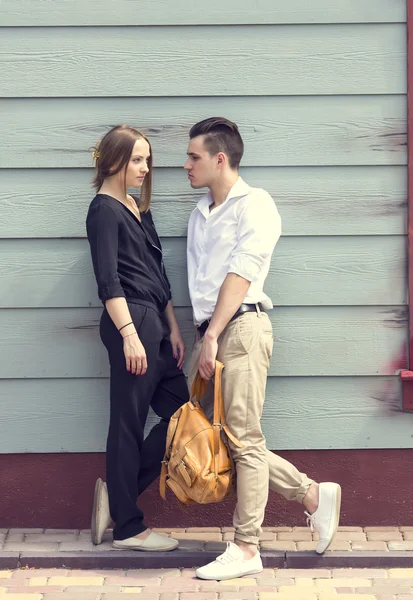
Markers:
point(113, 153)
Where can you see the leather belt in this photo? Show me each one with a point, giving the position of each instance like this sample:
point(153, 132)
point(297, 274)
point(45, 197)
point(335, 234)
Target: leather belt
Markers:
point(244, 308)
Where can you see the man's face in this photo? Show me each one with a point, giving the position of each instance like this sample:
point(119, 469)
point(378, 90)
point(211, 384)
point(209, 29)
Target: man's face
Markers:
point(201, 166)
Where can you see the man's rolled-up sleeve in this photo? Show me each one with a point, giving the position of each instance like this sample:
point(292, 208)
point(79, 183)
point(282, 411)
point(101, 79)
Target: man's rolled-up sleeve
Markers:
point(102, 233)
point(259, 229)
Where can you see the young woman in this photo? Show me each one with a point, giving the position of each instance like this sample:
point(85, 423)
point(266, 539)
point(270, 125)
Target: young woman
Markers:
point(140, 332)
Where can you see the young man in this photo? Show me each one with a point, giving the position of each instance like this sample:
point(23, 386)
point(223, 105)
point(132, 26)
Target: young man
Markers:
point(231, 236)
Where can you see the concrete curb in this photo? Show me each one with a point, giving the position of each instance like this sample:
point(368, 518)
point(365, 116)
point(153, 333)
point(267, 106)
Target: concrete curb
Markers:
point(9, 560)
point(190, 559)
point(347, 560)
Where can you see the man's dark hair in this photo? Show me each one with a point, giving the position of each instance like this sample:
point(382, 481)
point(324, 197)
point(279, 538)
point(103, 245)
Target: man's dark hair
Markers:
point(221, 135)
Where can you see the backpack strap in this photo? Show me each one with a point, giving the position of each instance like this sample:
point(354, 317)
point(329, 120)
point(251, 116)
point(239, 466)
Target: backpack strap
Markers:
point(198, 388)
point(162, 482)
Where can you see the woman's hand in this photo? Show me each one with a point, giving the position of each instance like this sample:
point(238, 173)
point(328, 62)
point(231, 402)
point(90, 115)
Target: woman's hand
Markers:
point(178, 346)
point(135, 355)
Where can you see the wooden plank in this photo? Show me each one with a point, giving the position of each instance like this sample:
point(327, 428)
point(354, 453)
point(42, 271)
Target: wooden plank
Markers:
point(38, 203)
point(309, 341)
point(360, 270)
point(188, 61)
point(407, 389)
point(81, 13)
point(277, 131)
point(71, 415)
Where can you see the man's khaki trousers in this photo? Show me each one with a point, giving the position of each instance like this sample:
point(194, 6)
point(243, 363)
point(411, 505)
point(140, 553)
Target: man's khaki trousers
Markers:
point(245, 348)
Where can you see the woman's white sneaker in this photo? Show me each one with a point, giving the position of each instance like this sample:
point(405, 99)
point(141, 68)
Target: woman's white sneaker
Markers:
point(230, 564)
point(326, 518)
point(153, 543)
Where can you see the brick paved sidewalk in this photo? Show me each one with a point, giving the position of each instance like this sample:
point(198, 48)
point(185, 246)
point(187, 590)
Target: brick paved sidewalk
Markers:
point(280, 547)
point(177, 584)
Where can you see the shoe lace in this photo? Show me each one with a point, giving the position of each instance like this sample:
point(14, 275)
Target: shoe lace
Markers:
point(226, 557)
point(310, 521)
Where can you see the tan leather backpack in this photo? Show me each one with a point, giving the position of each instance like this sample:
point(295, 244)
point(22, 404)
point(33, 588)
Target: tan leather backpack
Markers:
point(197, 465)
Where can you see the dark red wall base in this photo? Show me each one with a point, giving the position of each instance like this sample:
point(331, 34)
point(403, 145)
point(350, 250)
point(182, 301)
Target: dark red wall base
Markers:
point(55, 490)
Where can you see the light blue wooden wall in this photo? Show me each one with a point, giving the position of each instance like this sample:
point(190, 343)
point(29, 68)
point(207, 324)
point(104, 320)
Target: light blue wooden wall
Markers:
point(319, 91)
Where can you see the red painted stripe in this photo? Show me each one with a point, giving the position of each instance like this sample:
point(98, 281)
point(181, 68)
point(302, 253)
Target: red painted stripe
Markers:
point(55, 490)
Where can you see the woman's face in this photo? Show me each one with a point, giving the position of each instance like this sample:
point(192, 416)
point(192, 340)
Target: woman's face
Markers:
point(137, 167)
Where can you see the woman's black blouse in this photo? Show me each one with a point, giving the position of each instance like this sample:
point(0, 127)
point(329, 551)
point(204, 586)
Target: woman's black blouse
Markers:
point(126, 253)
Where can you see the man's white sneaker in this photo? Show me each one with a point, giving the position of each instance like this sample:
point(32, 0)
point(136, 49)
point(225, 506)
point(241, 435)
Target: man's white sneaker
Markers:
point(101, 519)
point(326, 518)
point(230, 565)
point(153, 543)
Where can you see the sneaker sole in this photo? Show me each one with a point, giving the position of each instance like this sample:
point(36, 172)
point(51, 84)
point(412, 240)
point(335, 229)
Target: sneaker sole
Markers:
point(96, 513)
point(253, 572)
point(336, 519)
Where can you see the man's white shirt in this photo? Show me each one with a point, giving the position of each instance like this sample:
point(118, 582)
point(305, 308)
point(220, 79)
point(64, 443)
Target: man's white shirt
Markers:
point(239, 237)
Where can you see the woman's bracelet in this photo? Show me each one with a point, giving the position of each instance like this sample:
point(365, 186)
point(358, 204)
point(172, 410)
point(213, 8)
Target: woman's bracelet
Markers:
point(129, 334)
point(123, 327)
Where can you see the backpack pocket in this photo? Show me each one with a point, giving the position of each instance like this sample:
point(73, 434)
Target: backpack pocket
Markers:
point(188, 468)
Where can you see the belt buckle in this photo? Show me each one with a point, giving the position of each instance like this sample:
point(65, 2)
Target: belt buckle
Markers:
point(203, 327)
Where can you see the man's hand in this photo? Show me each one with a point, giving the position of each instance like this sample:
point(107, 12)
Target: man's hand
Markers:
point(208, 356)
